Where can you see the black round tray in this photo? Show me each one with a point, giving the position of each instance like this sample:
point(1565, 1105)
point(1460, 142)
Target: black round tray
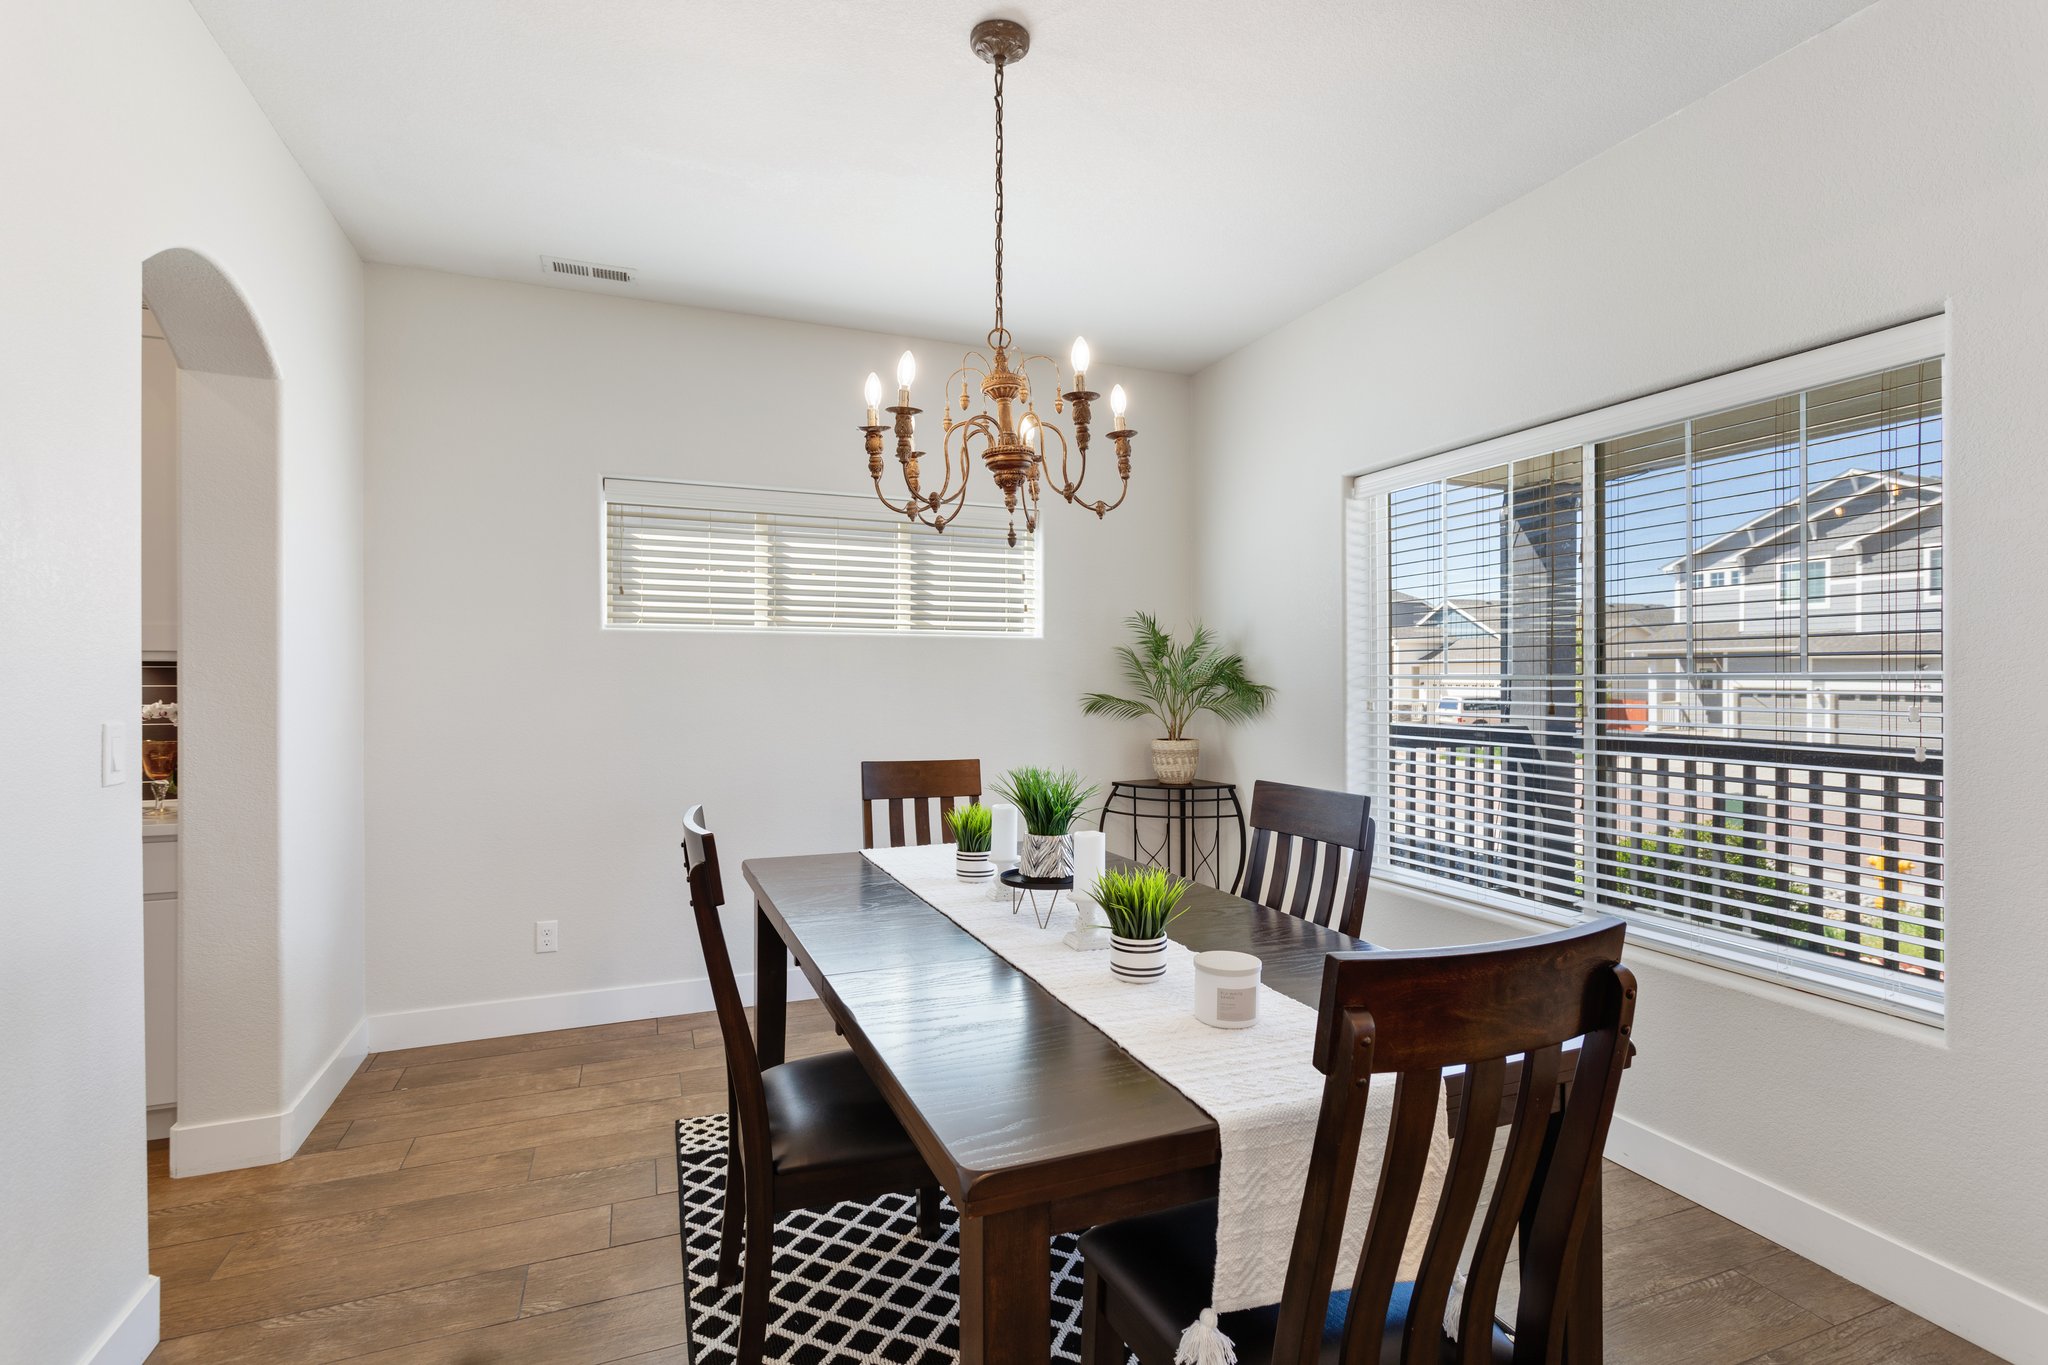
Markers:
point(1012, 877)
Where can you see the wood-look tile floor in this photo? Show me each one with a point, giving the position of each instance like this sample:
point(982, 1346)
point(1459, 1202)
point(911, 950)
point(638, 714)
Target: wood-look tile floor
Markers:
point(511, 1202)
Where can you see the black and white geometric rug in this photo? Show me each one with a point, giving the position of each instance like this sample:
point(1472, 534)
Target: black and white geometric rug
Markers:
point(854, 1284)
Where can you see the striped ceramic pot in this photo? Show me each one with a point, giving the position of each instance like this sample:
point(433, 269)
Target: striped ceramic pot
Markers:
point(1045, 856)
point(973, 866)
point(1137, 959)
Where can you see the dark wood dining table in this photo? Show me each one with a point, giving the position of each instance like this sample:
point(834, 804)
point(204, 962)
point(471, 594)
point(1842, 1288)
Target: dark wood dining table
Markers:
point(1029, 1116)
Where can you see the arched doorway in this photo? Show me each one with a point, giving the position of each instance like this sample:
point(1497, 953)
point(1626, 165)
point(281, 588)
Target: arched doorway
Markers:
point(229, 1017)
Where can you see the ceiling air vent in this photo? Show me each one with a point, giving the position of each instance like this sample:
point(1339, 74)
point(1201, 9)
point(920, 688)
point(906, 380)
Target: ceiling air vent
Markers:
point(585, 270)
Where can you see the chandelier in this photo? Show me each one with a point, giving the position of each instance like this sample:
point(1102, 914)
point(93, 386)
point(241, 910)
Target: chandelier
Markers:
point(1008, 433)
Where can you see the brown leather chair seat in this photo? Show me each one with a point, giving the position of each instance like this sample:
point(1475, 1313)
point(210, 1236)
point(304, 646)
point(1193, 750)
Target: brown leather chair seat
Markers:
point(824, 1113)
point(1161, 1266)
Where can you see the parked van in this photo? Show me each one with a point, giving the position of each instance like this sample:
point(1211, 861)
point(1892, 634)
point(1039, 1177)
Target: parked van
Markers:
point(1471, 711)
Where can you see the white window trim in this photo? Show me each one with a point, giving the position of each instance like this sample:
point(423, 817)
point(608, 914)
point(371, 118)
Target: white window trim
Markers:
point(1905, 344)
point(1884, 350)
point(656, 489)
point(1930, 592)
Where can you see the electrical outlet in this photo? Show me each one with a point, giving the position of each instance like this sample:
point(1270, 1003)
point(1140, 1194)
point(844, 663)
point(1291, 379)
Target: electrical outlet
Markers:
point(545, 935)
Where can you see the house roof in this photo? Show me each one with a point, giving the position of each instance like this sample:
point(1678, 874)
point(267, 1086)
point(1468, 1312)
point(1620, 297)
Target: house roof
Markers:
point(1781, 521)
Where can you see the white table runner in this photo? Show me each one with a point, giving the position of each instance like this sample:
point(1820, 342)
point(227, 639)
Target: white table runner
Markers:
point(1259, 1084)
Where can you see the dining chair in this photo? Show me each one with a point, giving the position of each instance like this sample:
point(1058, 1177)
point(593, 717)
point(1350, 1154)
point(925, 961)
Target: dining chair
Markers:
point(804, 1134)
point(1334, 833)
point(1504, 1012)
point(917, 782)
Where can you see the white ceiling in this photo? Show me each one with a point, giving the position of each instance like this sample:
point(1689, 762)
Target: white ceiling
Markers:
point(1184, 175)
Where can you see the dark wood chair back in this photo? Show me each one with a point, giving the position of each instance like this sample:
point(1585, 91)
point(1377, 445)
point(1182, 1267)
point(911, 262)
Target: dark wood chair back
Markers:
point(742, 1062)
point(1329, 835)
point(1412, 1014)
point(916, 783)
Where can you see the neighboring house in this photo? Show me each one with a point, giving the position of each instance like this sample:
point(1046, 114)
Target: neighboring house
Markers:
point(1780, 623)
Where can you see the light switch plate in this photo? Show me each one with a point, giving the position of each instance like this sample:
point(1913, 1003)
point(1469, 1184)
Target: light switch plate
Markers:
point(113, 753)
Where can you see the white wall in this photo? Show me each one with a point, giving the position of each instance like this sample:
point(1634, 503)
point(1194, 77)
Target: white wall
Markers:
point(524, 764)
point(159, 489)
point(1886, 169)
point(130, 134)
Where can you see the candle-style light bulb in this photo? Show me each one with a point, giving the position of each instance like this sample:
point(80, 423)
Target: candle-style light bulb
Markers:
point(1117, 403)
point(1027, 429)
point(906, 370)
point(874, 394)
point(1080, 359)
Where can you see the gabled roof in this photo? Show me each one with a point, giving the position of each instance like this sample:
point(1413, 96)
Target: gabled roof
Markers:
point(1441, 614)
point(1782, 520)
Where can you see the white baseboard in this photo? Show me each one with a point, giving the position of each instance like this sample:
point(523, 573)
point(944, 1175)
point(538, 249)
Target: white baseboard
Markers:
point(261, 1139)
point(1996, 1319)
point(158, 1121)
point(132, 1335)
point(542, 1013)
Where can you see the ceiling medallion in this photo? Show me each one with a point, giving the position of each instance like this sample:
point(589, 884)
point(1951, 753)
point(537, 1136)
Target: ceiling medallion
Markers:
point(1008, 432)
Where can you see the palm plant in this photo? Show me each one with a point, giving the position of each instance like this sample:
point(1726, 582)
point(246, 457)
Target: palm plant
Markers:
point(1139, 902)
point(1175, 682)
point(1047, 800)
point(973, 827)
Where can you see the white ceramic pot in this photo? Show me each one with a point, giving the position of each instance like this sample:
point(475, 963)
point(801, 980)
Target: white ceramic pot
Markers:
point(1137, 959)
point(974, 867)
point(1045, 856)
point(1174, 760)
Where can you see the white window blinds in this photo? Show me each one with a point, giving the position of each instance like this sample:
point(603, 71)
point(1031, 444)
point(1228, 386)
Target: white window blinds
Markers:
point(1687, 672)
point(715, 557)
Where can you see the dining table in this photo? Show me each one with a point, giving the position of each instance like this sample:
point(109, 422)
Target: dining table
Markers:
point(1031, 1118)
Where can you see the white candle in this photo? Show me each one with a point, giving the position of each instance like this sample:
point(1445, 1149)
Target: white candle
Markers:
point(1003, 835)
point(1091, 859)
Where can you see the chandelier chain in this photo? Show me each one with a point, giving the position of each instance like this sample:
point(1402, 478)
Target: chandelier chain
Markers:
point(999, 331)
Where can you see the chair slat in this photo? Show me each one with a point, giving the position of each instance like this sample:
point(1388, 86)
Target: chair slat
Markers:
point(1471, 1154)
point(945, 824)
point(1393, 1209)
point(1333, 874)
point(924, 821)
point(896, 823)
point(1254, 880)
point(1283, 865)
point(1540, 1069)
point(1550, 1242)
point(1312, 857)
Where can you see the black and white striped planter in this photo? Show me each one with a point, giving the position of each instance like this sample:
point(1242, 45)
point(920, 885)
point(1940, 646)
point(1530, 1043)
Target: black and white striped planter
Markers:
point(1137, 959)
point(974, 866)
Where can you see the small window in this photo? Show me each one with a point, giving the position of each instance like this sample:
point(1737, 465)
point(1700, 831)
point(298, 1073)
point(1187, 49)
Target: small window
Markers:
point(700, 556)
point(1816, 581)
point(1930, 571)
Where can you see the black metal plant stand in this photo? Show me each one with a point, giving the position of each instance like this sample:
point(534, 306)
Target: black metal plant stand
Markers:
point(1023, 887)
point(1181, 814)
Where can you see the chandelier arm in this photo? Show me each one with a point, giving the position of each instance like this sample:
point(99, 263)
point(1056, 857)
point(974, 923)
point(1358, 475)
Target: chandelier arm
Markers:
point(1063, 486)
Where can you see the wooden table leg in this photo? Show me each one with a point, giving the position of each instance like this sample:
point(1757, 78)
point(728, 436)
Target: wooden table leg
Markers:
point(1006, 1288)
point(771, 991)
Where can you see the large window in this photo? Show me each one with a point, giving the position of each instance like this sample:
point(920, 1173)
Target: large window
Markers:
point(694, 556)
point(1706, 630)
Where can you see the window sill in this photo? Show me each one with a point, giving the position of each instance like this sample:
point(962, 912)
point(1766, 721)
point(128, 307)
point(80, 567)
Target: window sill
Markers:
point(1897, 1012)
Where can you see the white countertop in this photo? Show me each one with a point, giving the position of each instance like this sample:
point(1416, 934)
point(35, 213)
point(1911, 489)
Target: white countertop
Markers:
point(162, 825)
